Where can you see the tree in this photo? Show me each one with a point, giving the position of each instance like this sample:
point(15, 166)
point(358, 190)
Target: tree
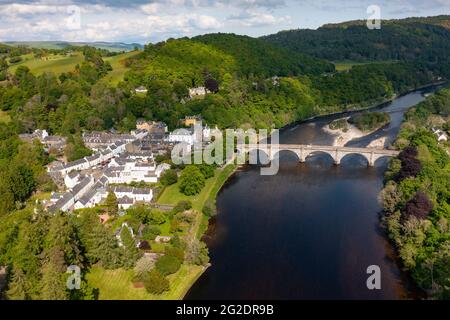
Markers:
point(390, 197)
point(169, 177)
point(111, 204)
point(150, 232)
point(100, 246)
point(207, 170)
point(168, 265)
point(419, 206)
point(197, 253)
point(17, 286)
point(22, 183)
point(53, 285)
point(143, 266)
point(410, 165)
point(75, 149)
point(212, 85)
point(192, 181)
point(155, 282)
point(182, 205)
point(141, 213)
point(131, 252)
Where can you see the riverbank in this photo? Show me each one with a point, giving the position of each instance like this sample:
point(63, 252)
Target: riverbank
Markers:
point(374, 106)
point(170, 197)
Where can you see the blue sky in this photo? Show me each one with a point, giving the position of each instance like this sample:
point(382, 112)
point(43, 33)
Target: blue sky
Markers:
point(146, 21)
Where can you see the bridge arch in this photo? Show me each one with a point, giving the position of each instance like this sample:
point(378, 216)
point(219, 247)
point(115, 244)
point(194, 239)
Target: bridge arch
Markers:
point(379, 158)
point(346, 156)
point(308, 153)
point(278, 153)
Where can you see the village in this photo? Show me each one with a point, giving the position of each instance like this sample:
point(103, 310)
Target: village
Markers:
point(119, 160)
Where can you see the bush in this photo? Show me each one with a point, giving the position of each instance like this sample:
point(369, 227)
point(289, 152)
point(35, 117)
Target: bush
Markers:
point(168, 265)
point(150, 232)
point(183, 205)
point(155, 282)
point(157, 217)
point(169, 177)
point(143, 266)
point(209, 209)
point(175, 252)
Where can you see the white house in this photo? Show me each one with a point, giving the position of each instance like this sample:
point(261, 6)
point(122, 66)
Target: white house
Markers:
point(183, 135)
point(65, 203)
point(125, 203)
point(141, 89)
point(161, 168)
point(199, 91)
point(81, 164)
point(144, 194)
point(72, 179)
point(94, 160)
point(81, 188)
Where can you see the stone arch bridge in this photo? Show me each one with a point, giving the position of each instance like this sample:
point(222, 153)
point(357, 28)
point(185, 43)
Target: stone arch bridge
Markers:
point(303, 151)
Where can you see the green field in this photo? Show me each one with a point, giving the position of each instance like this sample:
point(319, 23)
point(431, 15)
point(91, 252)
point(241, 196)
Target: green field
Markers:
point(53, 63)
point(347, 65)
point(119, 69)
point(61, 63)
point(117, 284)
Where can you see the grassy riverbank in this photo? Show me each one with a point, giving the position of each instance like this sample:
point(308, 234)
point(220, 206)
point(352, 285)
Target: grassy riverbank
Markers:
point(118, 285)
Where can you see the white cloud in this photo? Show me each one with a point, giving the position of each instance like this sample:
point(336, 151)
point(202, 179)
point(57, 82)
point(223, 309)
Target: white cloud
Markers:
point(258, 19)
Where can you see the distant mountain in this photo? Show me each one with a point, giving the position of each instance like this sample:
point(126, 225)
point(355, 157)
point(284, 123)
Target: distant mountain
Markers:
point(111, 46)
point(425, 40)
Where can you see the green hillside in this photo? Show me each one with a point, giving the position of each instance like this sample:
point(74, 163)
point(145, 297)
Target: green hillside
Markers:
point(422, 40)
point(254, 56)
point(56, 63)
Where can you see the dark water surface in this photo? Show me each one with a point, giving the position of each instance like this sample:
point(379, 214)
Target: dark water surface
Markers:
point(309, 232)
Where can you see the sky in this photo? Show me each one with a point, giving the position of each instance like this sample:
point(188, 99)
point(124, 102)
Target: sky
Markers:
point(144, 21)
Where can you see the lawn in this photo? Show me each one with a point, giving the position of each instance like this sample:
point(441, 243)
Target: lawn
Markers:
point(54, 63)
point(117, 285)
point(119, 69)
point(172, 195)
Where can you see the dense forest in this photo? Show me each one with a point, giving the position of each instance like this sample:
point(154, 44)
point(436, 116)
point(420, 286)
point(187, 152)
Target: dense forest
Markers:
point(416, 197)
point(425, 41)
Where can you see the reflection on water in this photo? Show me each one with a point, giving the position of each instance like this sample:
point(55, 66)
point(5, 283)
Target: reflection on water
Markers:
point(309, 232)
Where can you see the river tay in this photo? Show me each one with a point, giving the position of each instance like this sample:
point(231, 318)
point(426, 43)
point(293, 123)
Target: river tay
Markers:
point(309, 232)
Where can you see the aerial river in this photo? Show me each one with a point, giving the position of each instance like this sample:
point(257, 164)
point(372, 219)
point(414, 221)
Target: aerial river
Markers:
point(309, 232)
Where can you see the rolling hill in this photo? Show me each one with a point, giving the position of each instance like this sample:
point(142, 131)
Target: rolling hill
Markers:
point(422, 40)
point(110, 46)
